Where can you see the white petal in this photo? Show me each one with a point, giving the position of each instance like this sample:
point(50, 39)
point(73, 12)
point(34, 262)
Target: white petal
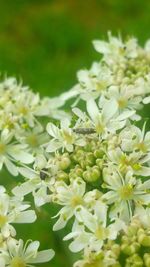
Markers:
point(26, 217)
point(101, 46)
point(43, 256)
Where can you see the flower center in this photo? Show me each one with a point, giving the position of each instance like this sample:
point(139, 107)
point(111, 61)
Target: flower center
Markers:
point(76, 200)
point(32, 140)
point(68, 137)
point(122, 103)
point(2, 148)
point(23, 110)
point(101, 233)
point(126, 192)
point(3, 220)
point(99, 126)
point(18, 262)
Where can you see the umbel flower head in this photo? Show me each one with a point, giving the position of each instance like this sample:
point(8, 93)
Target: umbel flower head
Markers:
point(92, 161)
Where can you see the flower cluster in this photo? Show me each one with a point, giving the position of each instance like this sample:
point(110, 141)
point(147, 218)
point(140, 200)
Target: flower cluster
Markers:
point(93, 162)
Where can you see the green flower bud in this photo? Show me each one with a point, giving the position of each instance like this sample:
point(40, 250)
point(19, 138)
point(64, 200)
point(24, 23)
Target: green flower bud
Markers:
point(90, 160)
point(98, 153)
point(144, 240)
point(147, 259)
point(125, 239)
point(132, 229)
point(99, 163)
point(62, 176)
point(134, 261)
point(78, 172)
point(130, 249)
point(92, 174)
point(64, 163)
point(116, 250)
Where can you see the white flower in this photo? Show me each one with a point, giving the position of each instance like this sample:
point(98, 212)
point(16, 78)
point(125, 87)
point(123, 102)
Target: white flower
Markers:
point(63, 138)
point(135, 161)
point(11, 152)
point(107, 120)
point(13, 210)
point(124, 193)
point(69, 196)
point(126, 96)
point(94, 81)
point(34, 183)
point(18, 255)
point(92, 230)
point(133, 138)
point(33, 138)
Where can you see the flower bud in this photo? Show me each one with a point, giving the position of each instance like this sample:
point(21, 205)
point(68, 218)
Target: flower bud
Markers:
point(64, 163)
point(98, 153)
point(134, 261)
point(92, 174)
point(62, 176)
point(130, 249)
point(147, 259)
point(90, 160)
point(144, 240)
point(99, 163)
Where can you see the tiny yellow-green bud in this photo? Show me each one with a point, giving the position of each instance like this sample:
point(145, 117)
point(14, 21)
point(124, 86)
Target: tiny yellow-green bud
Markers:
point(134, 261)
point(98, 153)
point(62, 176)
point(92, 174)
point(64, 163)
point(99, 163)
point(116, 249)
point(126, 249)
point(147, 259)
point(78, 172)
point(90, 160)
point(125, 239)
point(144, 240)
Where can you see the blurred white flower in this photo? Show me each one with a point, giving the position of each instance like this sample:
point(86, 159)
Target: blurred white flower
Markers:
point(19, 255)
point(11, 152)
point(13, 210)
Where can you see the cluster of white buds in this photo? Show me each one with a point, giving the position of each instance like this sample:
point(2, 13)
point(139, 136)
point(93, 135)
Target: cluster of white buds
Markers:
point(93, 162)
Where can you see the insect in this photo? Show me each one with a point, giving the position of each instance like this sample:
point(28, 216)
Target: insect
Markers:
point(43, 173)
point(84, 130)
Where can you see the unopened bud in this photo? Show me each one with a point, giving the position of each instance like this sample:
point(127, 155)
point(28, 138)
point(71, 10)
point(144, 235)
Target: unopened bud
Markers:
point(62, 176)
point(147, 259)
point(64, 163)
point(98, 153)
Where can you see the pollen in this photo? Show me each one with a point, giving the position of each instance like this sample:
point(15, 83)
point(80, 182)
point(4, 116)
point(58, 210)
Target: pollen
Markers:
point(3, 220)
point(122, 103)
point(126, 192)
point(18, 262)
point(23, 110)
point(2, 148)
point(68, 137)
point(101, 233)
point(32, 140)
point(76, 200)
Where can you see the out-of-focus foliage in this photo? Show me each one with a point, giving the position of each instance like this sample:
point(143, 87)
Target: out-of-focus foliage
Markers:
point(44, 42)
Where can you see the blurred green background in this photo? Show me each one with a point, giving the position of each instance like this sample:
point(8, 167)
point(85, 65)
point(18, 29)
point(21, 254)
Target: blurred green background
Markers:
point(45, 42)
